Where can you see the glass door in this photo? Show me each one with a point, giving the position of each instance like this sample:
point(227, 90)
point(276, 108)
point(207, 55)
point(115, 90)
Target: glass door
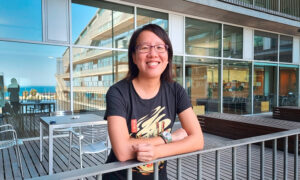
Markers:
point(264, 87)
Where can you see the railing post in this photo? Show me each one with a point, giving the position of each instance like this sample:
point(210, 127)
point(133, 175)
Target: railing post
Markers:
point(233, 163)
point(129, 174)
point(262, 159)
point(179, 169)
point(217, 165)
point(99, 177)
point(285, 164)
point(199, 164)
point(274, 159)
point(249, 161)
point(296, 149)
point(155, 171)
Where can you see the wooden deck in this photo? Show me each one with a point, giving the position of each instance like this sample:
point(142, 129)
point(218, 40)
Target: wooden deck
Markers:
point(33, 168)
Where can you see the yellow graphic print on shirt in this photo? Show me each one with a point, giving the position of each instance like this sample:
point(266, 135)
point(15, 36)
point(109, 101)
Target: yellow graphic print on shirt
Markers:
point(149, 126)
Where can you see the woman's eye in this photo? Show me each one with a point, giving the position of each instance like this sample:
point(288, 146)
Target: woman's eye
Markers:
point(144, 47)
point(160, 47)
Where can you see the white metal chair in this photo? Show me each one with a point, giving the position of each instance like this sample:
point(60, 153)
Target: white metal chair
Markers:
point(9, 138)
point(90, 142)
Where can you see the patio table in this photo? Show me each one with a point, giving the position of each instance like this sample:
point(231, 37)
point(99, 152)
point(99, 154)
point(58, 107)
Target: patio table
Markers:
point(64, 122)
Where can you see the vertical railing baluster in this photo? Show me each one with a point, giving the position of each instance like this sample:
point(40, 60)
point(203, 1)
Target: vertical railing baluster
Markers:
point(285, 164)
point(179, 169)
point(296, 149)
point(262, 159)
point(99, 177)
point(129, 174)
point(274, 170)
point(155, 171)
point(249, 161)
point(217, 165)
point(233, 163)
point(199, 165)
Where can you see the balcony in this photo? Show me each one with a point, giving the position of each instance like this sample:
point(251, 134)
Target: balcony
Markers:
point(284, 8)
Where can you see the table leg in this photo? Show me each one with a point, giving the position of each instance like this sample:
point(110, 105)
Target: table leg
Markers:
point(50, 150)
point(41, 141)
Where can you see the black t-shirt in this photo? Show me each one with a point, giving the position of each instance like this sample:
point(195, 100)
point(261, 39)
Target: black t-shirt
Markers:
point(153, 116)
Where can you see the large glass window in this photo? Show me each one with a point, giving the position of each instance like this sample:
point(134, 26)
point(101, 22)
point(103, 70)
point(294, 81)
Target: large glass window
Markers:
point(35, 81)
point(94, 71)
point(288, 85)
point(286, 49)
point(233, 42)
point(202, 81)
point(202, 38)
point(265, 46)
point(236, 87)
point(264, 87)
point(145, 16)
point(177, 69)
point(21, 20)
point(99, 23)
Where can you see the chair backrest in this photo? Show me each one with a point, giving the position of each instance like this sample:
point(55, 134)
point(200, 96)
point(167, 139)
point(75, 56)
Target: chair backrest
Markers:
point(93, 133)
point(61, 113)
point(8, 136)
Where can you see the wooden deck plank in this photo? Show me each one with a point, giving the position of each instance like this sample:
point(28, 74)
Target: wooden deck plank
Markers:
point(34, 165)
point(26, 161)
point(7, 165)
point(1, 165)
point(14, 163)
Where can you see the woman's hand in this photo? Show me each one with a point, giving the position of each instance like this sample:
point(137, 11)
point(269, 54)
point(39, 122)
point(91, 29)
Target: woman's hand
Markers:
point(178, 135)
point(144, 152)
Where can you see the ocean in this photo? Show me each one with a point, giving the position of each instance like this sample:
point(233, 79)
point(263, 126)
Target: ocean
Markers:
point(39, 89)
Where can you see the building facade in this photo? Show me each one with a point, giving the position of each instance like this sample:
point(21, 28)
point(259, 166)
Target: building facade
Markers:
point(231, 56)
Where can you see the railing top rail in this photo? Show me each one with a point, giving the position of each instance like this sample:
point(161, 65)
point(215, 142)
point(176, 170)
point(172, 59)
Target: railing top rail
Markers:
point(116, 166)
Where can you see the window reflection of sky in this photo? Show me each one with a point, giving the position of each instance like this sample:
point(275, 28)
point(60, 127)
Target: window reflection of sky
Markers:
point(21, 19)
point(30, 64)
point(81, 16)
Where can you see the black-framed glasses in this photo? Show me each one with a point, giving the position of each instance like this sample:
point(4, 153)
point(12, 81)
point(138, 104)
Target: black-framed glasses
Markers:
point(145, 48)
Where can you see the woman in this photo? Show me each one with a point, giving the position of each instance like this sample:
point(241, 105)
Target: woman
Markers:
point(141, 109)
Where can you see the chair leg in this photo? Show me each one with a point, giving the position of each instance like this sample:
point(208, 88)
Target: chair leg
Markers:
point(70, 150)
point(19, 160)
point(80, 153)
point(80, 156)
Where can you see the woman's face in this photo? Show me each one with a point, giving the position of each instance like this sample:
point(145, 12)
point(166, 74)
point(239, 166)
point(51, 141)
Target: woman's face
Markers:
point(153, 63)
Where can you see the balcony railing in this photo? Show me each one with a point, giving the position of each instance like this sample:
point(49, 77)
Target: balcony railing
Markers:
point(231, 146)
point(284, 8)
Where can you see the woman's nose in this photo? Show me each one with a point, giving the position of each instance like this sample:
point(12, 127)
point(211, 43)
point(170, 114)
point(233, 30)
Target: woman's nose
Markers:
point(152, 51)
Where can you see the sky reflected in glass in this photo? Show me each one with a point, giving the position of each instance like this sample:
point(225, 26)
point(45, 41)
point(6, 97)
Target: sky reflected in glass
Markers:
point(21, 19)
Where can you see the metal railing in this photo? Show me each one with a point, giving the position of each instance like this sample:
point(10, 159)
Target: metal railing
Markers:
point(284, 8)
point(230, 146)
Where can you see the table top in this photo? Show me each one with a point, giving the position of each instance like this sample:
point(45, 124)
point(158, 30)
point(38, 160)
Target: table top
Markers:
point(73, 120)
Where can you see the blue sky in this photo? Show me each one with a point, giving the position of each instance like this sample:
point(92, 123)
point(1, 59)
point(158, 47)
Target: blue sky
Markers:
point(32, 64)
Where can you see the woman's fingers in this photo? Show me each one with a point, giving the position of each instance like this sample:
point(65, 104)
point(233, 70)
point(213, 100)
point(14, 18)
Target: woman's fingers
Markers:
point(144, 152)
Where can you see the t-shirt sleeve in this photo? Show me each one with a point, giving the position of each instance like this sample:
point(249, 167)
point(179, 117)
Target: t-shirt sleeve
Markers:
point(115, 103)
point(182, 99)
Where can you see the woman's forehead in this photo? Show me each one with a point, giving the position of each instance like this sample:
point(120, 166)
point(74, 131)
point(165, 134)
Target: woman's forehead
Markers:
point(148, 37)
